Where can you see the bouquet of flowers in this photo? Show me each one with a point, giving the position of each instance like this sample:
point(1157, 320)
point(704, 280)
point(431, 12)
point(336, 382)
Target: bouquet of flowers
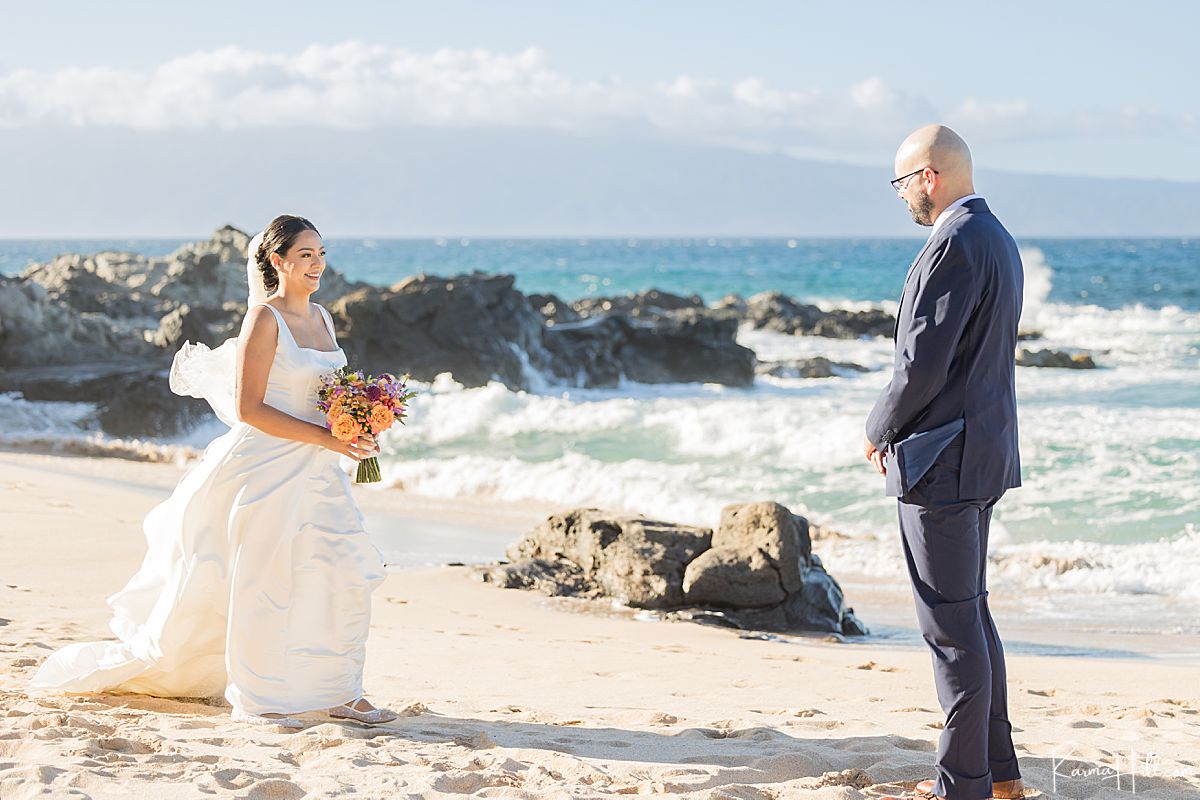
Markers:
point(355, 403)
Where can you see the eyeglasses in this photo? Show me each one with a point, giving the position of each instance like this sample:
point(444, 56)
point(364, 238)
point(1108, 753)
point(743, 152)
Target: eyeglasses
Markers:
point(898, 183)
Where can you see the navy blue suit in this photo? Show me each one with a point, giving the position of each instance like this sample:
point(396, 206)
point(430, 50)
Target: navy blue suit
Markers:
point(947, 424)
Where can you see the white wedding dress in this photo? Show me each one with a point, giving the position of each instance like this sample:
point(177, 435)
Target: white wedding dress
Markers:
point(258, 573)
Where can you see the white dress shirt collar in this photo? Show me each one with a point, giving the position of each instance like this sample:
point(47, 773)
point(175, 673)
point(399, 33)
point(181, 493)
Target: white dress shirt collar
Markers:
point(950, 209)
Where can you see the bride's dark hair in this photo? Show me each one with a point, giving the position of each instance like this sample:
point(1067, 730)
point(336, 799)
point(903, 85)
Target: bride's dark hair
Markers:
point(278, 238)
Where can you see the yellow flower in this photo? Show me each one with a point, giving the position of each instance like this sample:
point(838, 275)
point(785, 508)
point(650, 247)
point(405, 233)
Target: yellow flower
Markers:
point(346, 428)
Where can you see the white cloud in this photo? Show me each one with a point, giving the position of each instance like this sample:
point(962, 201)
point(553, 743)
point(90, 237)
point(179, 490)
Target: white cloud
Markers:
point(355, 85)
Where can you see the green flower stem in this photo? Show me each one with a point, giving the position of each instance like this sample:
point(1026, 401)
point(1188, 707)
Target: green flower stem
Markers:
point(368, 471)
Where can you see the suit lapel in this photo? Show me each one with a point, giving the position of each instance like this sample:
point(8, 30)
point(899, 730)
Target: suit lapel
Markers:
point(971, 205)
point(904, 292)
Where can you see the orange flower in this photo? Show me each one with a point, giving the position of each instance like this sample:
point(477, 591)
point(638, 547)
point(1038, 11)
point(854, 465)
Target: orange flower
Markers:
point(381, 418)
point(346, 428)
point(335, 408)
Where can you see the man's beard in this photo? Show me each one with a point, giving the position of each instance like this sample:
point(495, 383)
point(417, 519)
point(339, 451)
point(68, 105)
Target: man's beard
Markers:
point(922, 210)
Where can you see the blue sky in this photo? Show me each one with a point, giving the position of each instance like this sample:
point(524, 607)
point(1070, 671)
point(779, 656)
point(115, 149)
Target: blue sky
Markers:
point(1103, 89)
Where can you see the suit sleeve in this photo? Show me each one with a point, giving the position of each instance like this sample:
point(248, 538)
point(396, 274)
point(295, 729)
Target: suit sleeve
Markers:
point(941, 308)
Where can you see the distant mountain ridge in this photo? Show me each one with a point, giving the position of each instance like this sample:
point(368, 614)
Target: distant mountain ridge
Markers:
point(116, 182)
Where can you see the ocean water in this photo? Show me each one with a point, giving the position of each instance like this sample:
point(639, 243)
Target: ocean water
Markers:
point(1110, 506)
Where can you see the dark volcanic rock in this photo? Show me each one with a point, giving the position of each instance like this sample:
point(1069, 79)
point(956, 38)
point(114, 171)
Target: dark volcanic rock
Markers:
point(636, 560)
point(757, 557)
point(554, 577)
point(816, 367)
point(756, 571)
point(37, 331)
point(132, 398)
point(553, 308)
point(587, 353)
point(187, 325)
point(476, 326)
point(778, 312)
point(732, 303)
point(1054, 359)
point(142, 406)
point(681, 346)
point(128, 285)
point(648, 304)
point(687, 346)
point(209, 275)
point(648, 337)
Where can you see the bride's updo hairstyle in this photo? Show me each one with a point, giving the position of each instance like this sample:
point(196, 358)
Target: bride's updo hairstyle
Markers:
point(278, 238)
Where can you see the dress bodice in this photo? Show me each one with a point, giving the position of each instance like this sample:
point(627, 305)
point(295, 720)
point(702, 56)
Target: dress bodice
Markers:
point(296, 372)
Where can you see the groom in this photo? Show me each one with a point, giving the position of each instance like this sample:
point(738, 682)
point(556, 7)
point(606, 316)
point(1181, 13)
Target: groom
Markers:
point(944, 435)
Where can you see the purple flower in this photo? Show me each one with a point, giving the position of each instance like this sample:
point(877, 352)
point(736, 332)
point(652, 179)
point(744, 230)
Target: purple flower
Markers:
point(374, 393)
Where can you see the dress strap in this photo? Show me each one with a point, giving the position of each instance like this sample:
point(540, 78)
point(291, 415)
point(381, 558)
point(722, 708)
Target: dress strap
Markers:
point(283, 327)
point(328, 323)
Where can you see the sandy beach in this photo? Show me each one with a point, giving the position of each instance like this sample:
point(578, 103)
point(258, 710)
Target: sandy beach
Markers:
point(510, 694)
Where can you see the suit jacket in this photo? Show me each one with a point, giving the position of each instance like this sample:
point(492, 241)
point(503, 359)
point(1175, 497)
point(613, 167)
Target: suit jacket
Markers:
point(956, 334)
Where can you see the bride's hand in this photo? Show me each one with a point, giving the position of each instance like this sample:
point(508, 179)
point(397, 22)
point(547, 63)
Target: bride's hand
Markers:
point(365, 447)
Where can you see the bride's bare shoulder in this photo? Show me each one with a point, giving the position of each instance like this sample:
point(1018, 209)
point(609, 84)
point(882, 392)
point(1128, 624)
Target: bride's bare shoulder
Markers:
point(260, 324)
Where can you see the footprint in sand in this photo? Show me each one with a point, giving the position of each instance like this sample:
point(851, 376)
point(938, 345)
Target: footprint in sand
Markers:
point(700, 733)
point(41, 722)
point(478, 741)
point(275, 789)
point(472, 782)
point(855, 778)
point(820, 724)
point(871, 665)
point(721, 731)
point(194, 724)
point(1086, 723)
point(740, 791)
point(234, 778)
point(166, 758)
point(1042, 692)
point(904, 743)
point(120, 744)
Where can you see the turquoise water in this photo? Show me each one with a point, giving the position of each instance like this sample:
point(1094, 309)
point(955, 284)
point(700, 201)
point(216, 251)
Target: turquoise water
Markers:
point(1110, 273)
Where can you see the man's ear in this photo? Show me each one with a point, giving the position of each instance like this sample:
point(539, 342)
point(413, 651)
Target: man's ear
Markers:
point(930, 179)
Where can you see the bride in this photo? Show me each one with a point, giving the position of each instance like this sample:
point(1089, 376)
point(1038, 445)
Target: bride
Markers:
point(258, 573)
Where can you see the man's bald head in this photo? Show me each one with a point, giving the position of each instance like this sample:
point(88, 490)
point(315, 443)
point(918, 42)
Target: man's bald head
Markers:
point(946, 154)
point(936, 146)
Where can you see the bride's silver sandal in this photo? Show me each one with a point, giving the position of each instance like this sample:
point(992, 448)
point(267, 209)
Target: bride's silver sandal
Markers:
point(291, 723)
point(372, 717)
